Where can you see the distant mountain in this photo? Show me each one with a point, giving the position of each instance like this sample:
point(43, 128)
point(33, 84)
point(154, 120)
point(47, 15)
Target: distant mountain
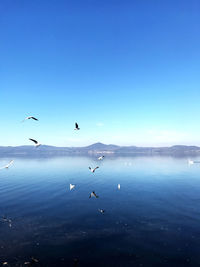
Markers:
point(98, 148)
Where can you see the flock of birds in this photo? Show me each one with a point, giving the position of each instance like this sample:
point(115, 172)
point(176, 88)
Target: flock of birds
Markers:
point(71, 186)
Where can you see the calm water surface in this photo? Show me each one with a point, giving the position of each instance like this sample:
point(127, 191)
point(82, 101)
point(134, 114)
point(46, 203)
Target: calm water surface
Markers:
point(153, 220)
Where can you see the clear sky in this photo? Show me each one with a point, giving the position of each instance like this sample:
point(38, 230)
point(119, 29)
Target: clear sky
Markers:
point(127, 71)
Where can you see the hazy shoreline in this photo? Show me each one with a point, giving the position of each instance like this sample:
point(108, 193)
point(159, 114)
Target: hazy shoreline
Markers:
point(99, 148)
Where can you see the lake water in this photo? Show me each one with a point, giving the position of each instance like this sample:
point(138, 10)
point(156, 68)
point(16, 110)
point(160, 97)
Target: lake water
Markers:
point(153, 220)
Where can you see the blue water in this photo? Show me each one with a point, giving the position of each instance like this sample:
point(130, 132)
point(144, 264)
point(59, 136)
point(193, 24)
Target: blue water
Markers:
point(153, 220)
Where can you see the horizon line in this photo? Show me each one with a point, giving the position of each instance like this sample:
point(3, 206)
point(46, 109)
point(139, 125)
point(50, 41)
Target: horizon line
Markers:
point(104, 145)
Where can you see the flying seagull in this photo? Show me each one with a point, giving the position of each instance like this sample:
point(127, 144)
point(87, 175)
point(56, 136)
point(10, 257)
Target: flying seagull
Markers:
point(93, 194)
point(30, 117)
point(8, 165)
point(119, 186)
point(76, 127)
point(36, 142)
point(93, 170)
point(101, 157)
point(71, 186)
point(101, 210)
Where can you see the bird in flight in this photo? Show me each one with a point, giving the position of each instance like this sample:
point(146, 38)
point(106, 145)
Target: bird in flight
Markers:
point(93, 170)
point(30, 117)
point(101, 210)
point(36, 142)
point(101, 157)
point(76, 126)
point(71, 186)
point(93, 194)
point(8, 165)
point(119, 186)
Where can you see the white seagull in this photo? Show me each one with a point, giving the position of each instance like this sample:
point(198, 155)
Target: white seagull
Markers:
point(71, 186)
point(101, 157)
point(93, 194)
point(8, 165)
point(101, 210)
point(30, 117)
point(119, 186)
point(36, 142)
point(76, 127)
point(93, 170)
point(190, 161)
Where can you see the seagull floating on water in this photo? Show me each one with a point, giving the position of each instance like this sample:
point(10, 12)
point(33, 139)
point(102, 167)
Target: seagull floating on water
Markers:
point(30, 117)
point(8, 165)
point(35, 141)
point(71, 186)
point(93, 194)
point(193, 161)
point(93, 170)
point(101, 157)
point(76, 127)
point(101, 210)
point(190, 161)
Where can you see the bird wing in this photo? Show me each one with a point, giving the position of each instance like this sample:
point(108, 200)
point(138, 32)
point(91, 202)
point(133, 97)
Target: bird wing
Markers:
point(34, 118)
point(25, 119)
point(96, 168)
point(89, 168)
point(76, 125)
point(94, 194)
point(36, 142)
point(10, 163)
point(6, 166)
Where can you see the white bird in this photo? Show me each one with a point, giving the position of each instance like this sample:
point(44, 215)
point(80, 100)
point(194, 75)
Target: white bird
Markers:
point(71, 186)
point(76, 127)
point(190, 161)
point(8, 165)
point(101, 210)
point(93, 170)
point(119, 186)
point(101, 157)
point(36, 142)
point(93, 194)
point(30, 117)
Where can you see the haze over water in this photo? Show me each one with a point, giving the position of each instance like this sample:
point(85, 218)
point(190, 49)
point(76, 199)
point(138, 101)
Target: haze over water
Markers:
point(153, 220)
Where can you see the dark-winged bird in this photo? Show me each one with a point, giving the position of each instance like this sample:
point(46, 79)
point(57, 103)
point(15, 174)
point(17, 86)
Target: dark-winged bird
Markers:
point(30, 117)
point(35, 141)
point(76, 127)
point(93, 194)
point(93, 170)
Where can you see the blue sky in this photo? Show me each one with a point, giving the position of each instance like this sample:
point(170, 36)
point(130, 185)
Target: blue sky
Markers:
point(127, 71)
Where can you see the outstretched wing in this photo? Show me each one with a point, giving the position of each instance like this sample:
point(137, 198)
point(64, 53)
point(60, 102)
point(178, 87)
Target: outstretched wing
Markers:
point(76, 125)
point(89, 168)
point(6, 166)
point(36, 142)
point(10, 163)
point(33, 118)
point(96, 168)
